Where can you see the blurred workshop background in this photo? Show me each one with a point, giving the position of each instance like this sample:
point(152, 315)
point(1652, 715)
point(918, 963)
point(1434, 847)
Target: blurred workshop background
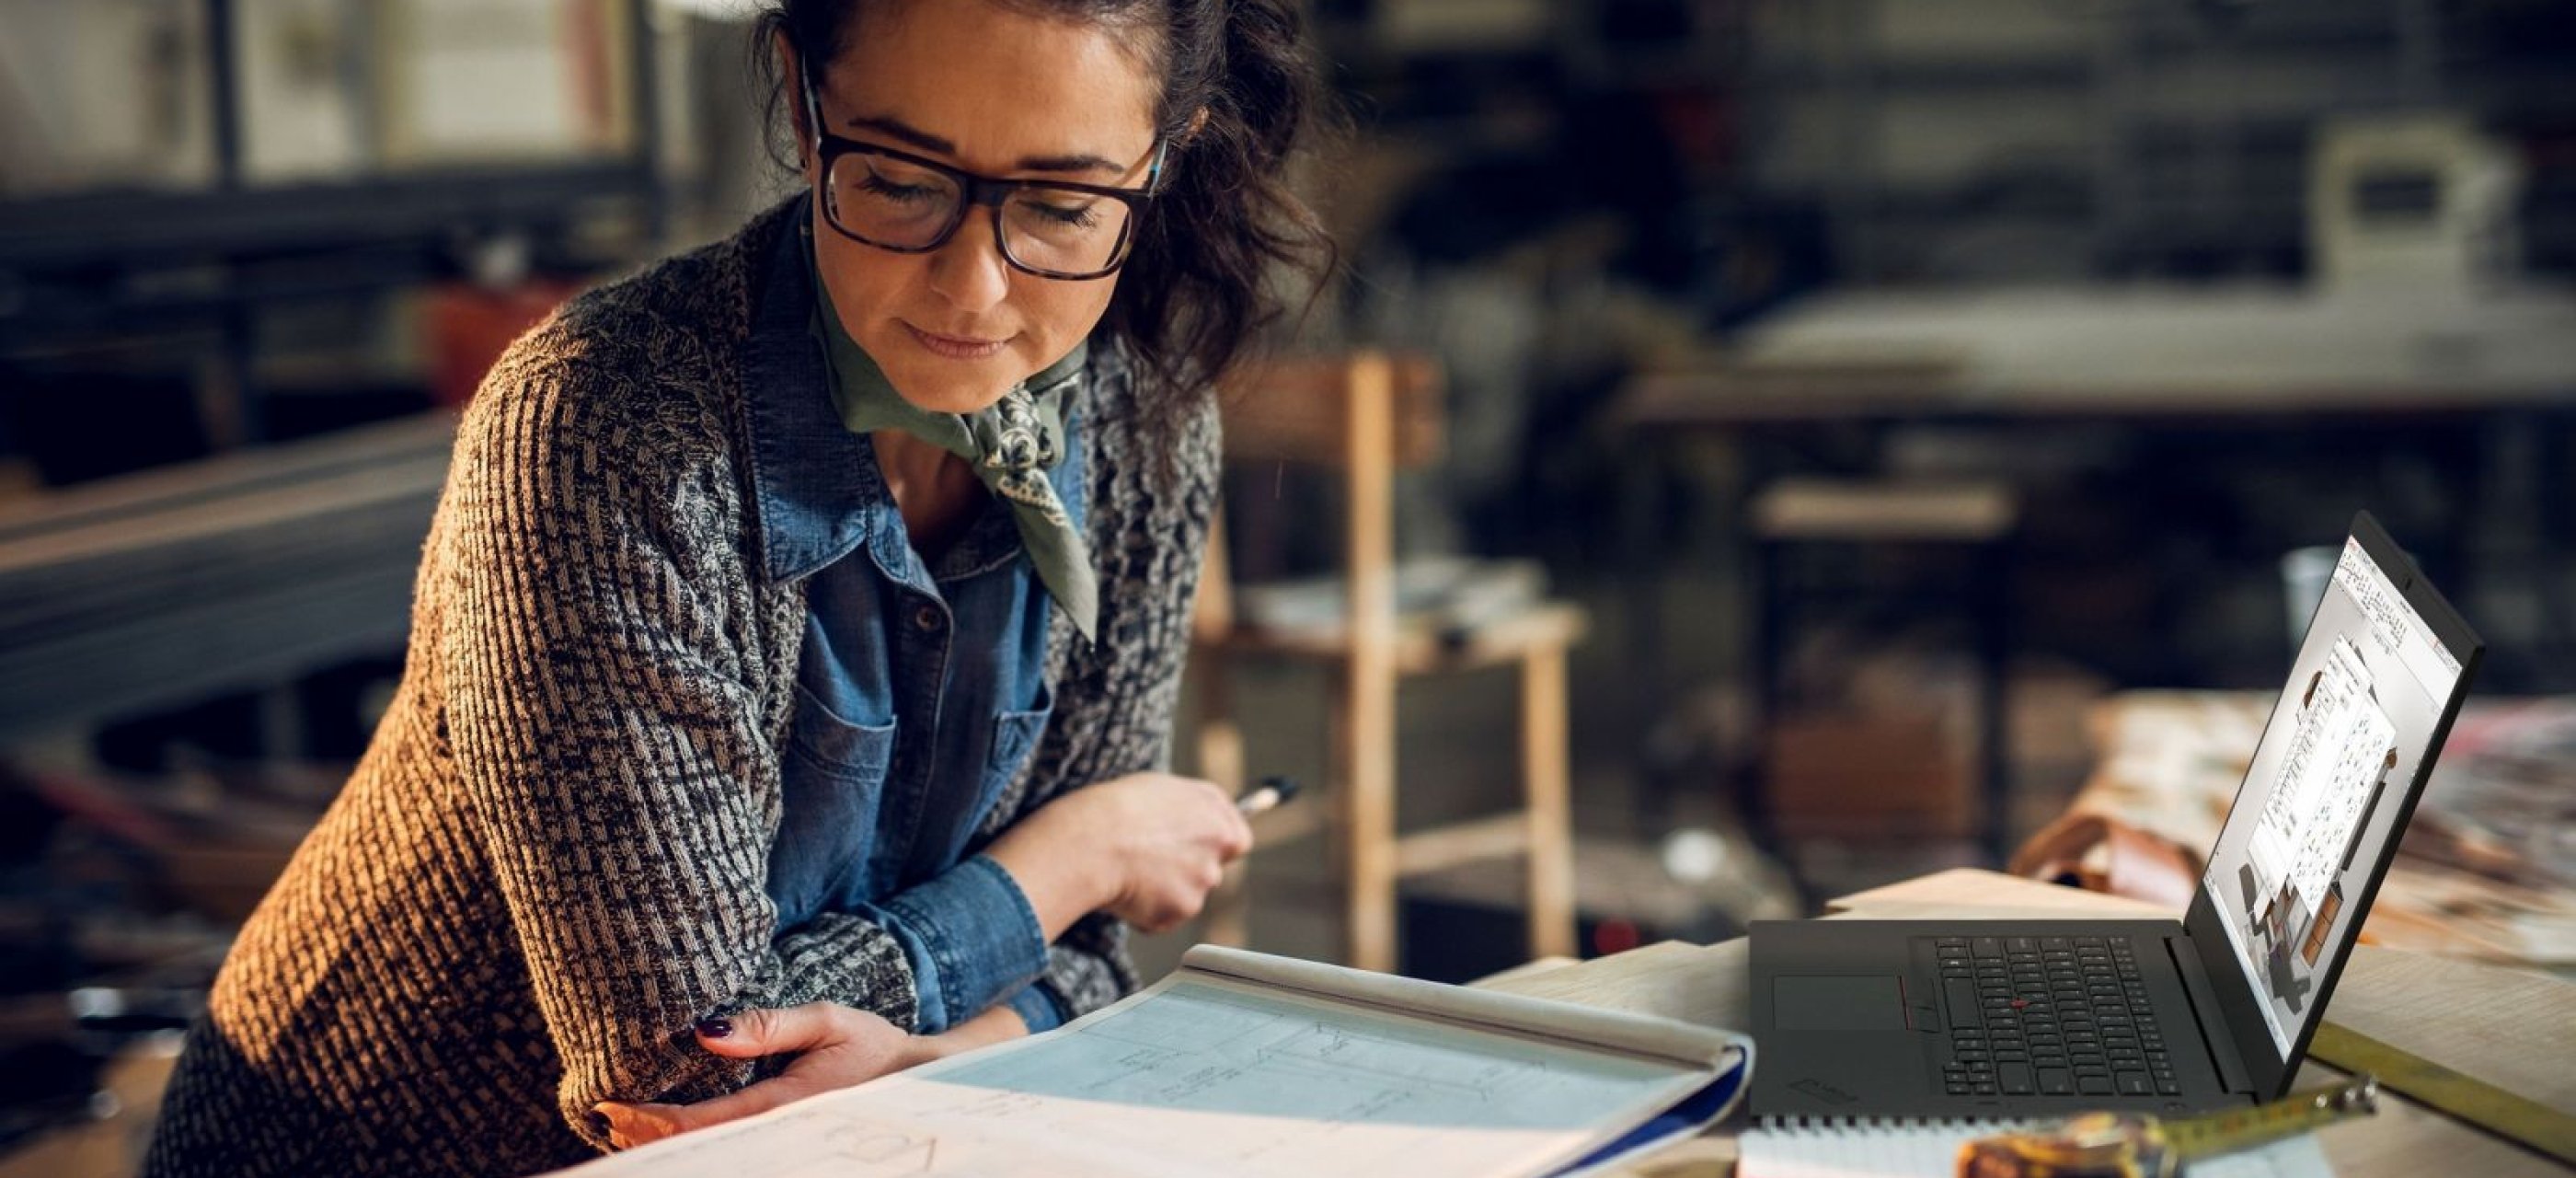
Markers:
point(1819, 442)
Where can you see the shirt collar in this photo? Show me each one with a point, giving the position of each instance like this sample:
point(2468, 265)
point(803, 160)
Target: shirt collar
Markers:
point(818, 492)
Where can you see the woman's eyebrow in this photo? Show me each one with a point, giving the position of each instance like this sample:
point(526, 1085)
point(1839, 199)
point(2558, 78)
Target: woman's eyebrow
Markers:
point(914, 137)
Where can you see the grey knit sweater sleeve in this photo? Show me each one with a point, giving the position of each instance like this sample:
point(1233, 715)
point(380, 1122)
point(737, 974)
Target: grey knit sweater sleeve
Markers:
point(553, 858)
point(614, 753)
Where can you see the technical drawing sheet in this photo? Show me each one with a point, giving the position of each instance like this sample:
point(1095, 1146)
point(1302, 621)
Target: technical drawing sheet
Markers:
point(1243, 1064)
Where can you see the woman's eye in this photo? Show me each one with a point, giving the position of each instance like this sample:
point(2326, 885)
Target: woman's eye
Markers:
point(1071, 216)
point(878, 186)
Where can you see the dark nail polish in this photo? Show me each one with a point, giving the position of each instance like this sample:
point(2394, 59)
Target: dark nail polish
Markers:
point(599, 1123)
point(716, 1028)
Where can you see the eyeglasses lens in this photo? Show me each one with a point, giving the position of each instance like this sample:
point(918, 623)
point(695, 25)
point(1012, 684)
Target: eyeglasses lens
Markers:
point(1053, 230)
point(891, 202)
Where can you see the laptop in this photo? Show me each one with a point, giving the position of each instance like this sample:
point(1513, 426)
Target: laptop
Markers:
point(2020, 1018)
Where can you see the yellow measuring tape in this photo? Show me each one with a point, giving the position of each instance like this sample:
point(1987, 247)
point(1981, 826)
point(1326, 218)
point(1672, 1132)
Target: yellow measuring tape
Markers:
point(2137, 1145)
point(2468, 1098)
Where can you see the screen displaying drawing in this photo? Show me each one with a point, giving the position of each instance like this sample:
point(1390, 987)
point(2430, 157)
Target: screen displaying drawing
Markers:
point(2369, 687)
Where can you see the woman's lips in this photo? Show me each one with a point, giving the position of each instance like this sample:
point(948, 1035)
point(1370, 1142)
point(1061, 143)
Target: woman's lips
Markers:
point(956, 347)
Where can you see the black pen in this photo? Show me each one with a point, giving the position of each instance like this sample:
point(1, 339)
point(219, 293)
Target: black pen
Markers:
point(1267, 796)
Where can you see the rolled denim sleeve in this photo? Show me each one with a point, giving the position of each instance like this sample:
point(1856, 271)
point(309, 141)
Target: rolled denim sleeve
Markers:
point(1037, 1006)
point(972, 937)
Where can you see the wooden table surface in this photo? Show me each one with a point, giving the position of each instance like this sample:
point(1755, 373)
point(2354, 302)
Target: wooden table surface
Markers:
point(2512, 1029)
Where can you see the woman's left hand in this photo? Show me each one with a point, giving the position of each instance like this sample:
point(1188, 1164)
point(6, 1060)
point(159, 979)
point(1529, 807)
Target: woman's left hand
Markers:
point(835, 1046)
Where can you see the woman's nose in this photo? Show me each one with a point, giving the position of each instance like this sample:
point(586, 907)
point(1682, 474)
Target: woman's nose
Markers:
point(969, 270)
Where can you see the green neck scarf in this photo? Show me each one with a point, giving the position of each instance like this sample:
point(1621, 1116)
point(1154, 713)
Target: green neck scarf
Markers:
point(1010, 444)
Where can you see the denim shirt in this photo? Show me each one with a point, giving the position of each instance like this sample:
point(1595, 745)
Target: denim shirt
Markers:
point(921, 687)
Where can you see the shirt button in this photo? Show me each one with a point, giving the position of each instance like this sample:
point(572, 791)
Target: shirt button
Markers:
point(926, 617)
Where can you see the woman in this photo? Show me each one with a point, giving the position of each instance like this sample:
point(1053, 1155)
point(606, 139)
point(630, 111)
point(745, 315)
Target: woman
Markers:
point(796, 646)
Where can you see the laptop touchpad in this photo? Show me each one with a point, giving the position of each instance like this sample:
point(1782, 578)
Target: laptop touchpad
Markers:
point(1838, 1002)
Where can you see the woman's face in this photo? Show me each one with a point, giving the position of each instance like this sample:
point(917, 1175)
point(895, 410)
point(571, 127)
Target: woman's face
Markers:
point(998, 92)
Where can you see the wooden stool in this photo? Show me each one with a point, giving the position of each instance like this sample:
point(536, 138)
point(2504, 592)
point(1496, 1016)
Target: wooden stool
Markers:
point(1798, 514)
point(1368, 414)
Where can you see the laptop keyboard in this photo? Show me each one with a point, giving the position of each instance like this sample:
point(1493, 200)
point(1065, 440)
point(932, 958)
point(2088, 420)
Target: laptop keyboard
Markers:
point(2049, 1016)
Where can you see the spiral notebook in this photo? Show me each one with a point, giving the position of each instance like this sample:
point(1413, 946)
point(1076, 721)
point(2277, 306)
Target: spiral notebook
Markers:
point(1869, 1148)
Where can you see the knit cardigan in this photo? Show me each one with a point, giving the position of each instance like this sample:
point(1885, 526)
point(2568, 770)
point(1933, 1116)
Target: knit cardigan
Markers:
point(550, 861)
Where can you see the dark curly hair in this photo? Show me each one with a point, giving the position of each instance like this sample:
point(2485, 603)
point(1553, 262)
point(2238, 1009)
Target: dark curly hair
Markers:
point(1201, 283)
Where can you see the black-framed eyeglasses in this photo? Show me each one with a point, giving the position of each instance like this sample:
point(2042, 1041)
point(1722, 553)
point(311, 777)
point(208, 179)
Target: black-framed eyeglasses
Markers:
point(898, 201)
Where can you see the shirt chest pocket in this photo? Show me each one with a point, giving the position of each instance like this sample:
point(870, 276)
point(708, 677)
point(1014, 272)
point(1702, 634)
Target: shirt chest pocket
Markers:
point(1015, 736)
point(832, 787)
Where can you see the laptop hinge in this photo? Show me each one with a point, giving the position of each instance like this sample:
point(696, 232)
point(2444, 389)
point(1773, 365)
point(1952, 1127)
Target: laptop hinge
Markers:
point(2205, 1015)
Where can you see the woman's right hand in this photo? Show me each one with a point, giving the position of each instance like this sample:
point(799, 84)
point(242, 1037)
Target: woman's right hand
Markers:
point(828, 1046)
point(1146, 848)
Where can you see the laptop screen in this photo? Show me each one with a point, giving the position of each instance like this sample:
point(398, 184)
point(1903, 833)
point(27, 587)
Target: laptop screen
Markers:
point(2324, 794)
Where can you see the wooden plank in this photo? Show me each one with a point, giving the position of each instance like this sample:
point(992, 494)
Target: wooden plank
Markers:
point(1367, 697)
point(1221, 760)
point(37, 602)
point(1419, 650)
point(369, 447)
point(1740, 393)
point(1978, 893)
point(1286, 826)
point(2407, 1140)
point(164, 588)
point(1212, 604)
point(196, 649)
point(2501, 1026)
point(1702, 984)
point(1848, 509)
point(223, 518)
point(1546, 795)
point(1527, 969)
point(1300, 410)
point(1444, 847)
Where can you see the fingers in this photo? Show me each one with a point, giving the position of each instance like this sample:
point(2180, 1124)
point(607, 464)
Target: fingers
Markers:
point(1232, 837)
point(755, 1033)
point(631, 1125)
point(1171, 908)
point(734, 1106)
point(1169, 841)
point(834, 1046)
point(1238, 834)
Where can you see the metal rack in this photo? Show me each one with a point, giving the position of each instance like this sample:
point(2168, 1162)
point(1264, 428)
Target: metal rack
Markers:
point(244, 570)
point(207, 259)
point(2165, 158)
